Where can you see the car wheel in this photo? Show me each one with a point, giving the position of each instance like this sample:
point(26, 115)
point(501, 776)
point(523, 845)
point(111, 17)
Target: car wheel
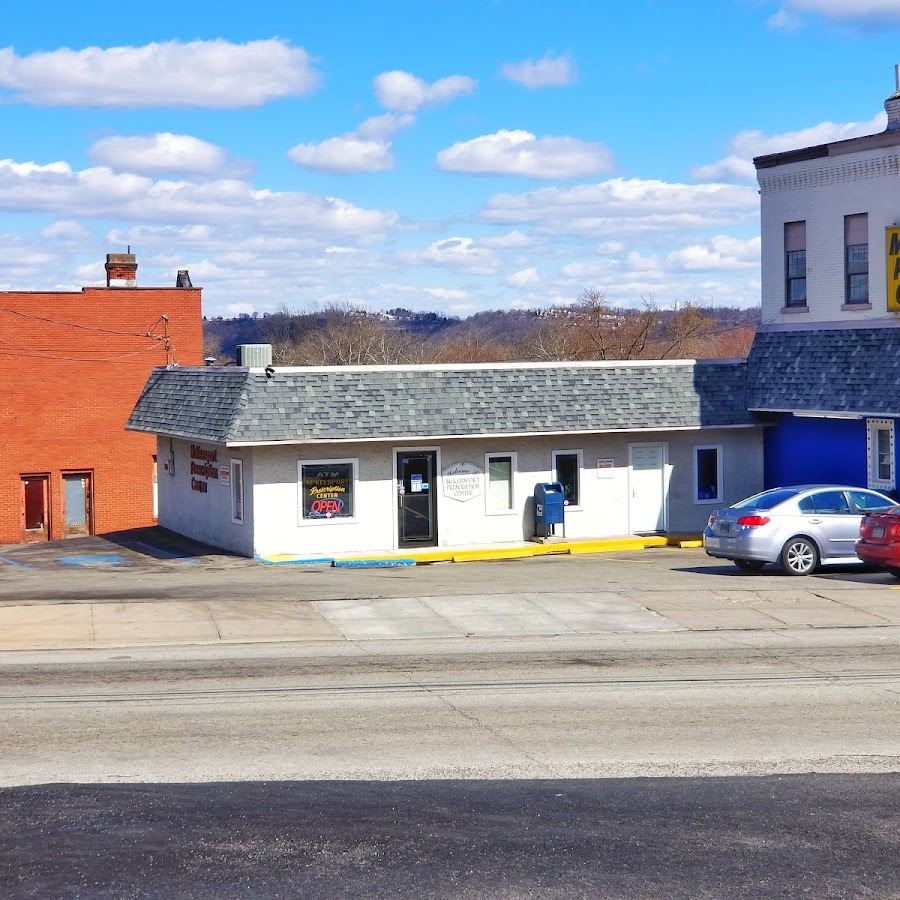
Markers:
point(799, 556)
point(894, 571)
point(748, 565)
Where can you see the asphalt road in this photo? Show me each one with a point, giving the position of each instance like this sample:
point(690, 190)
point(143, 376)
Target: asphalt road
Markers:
point(791, 836)
point(461, 768)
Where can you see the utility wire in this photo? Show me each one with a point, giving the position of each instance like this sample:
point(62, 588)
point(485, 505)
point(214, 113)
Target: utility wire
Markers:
point(25, 315)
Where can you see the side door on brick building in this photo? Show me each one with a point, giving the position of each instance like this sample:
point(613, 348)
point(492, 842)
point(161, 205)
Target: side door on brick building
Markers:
point(78, 502)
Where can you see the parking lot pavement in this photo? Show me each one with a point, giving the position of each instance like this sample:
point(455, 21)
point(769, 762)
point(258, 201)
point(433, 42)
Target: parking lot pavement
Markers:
point(147, 588)
point(135, 549)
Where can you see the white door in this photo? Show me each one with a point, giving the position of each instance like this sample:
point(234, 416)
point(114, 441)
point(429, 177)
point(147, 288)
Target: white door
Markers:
point(646, 481)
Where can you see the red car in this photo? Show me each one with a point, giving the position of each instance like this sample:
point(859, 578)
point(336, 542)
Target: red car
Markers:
point(879, 540)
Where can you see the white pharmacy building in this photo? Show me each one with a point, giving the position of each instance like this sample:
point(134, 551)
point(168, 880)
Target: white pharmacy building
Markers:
point(317, 461)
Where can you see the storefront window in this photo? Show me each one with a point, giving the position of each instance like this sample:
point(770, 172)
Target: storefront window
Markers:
point(567, 469)
point(707, 474)
point(327, 489)
point(237, 491)
point(500, 468)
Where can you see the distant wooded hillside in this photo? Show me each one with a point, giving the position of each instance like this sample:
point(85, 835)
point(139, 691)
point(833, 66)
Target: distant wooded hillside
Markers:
point(588, 330)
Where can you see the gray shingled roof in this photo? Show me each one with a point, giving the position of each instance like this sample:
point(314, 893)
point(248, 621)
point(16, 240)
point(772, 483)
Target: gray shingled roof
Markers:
point(854, 370)
point(237, 405)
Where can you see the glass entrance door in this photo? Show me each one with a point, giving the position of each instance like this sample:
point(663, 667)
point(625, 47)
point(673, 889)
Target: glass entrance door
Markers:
point(416, 494)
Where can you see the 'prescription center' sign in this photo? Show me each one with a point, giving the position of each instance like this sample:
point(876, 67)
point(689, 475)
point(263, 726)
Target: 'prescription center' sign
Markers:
point(892, 239)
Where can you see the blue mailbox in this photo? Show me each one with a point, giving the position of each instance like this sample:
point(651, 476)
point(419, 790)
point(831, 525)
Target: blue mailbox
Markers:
point(549, 508)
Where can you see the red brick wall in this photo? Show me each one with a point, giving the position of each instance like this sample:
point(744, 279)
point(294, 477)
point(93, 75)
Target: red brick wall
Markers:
point(72, 366)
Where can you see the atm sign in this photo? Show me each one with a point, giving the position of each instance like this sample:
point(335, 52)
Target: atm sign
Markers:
point(892, 238)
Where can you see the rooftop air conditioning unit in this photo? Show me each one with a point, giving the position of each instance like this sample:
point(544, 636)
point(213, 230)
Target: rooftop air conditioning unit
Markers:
point(254, 356)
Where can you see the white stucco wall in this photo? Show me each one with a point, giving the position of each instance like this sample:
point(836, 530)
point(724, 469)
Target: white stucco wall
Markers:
point(821, 192)
point(204, 515)
point(603, 509)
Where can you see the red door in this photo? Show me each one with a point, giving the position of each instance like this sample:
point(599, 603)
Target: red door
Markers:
point(35, 508)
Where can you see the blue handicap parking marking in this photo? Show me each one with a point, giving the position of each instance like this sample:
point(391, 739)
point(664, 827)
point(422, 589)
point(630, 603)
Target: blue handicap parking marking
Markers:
point(13, 562)
point(93, 559)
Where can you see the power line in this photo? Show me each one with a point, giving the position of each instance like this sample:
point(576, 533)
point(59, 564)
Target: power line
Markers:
point(148, 333)
point(22, 352)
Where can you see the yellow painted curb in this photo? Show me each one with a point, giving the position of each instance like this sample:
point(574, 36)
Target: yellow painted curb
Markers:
point(561, 548)
point(508, 553)
point(429, 556)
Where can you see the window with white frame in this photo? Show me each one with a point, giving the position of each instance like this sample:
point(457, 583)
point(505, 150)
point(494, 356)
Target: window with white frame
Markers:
point(501, 469)
point(327, 489)
point(795, 263)
point(237, 491)
point(708, 474)
point(880, 451)
point(567, 470)
point(856, 258)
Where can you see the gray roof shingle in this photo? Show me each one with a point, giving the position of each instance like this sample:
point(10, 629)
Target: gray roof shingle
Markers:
point(243, 406)
point(853, 370)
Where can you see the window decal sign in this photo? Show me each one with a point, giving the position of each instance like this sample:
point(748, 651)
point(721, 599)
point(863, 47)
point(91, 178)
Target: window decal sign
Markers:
point(462, 482)
point(326, 490)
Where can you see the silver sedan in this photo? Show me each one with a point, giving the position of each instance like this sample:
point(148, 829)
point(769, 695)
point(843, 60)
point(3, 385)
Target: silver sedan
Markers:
point(799, 527)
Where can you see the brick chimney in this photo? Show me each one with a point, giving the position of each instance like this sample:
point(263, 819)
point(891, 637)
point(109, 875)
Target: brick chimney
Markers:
point(121, 270)
point(892, 105)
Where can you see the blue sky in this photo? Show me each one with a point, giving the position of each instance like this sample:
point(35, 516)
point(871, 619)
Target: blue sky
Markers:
point(439, 156)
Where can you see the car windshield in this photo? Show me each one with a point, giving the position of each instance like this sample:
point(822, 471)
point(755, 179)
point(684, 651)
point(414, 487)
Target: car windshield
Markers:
point(767, 499)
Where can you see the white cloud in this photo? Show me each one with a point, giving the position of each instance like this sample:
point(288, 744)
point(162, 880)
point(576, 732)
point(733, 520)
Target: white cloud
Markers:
point(521, 153)
point(343, 155)
point(585, 271)
point(731, 168)
point(624, 206)
point(722, 253)
point(237, 309)
point(861, 12)
point(460, 253)
point(551, 71)
point(380, 128)
point(448, 294)
point(158, 154)
point(65, 230)
point(402, 92)
point(215, 74)
point(738, 164)
point(100, 193)
point(23, 262)
point(524, 278)
point(756, 143)
point(512, 240)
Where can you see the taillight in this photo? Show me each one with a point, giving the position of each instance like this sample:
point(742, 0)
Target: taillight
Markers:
point(894, 532)
point(712, 520)
point(753, 521)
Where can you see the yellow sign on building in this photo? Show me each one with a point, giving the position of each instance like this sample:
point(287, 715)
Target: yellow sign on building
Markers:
point(892, 244)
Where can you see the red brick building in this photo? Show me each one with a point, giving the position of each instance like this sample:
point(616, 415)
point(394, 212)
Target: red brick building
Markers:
point(72, 365)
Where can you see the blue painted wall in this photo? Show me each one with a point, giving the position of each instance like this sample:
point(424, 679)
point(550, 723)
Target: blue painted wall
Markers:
point(809, 451)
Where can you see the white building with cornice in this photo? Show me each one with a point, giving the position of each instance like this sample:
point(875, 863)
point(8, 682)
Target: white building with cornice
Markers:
point(826, 215)
point(824, 369)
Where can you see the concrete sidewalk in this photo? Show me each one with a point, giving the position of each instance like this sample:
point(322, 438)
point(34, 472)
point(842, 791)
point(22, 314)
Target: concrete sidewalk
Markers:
point(109, 625)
